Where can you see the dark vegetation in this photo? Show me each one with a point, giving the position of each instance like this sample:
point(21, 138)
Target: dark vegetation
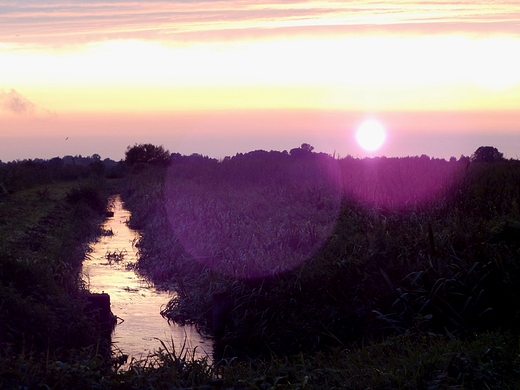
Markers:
point(309, 272)
point(140, 154)
point(487, 154)
point(19, 175)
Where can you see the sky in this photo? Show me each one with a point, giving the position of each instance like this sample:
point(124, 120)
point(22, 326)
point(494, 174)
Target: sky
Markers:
point(221, 77)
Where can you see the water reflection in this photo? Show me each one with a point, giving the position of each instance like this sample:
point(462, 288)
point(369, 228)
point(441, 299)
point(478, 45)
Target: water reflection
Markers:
point(135, 301)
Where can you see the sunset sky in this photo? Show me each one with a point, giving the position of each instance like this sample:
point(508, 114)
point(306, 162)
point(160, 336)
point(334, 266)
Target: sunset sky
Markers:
point(220, 77)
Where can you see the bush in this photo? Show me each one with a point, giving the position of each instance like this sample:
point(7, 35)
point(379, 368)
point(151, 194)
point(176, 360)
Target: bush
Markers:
point(89, 196)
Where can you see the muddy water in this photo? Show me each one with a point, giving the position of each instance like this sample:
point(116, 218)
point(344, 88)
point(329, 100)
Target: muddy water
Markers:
point(134, 301)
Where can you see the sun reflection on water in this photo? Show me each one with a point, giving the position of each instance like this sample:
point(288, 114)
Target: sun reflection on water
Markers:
point(135, 301)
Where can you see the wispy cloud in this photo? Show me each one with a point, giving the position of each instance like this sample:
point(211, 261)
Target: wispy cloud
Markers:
point(84, 21)
point(14, 102)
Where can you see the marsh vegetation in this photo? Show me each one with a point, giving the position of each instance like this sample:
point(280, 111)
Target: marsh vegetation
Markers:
point(309, 272)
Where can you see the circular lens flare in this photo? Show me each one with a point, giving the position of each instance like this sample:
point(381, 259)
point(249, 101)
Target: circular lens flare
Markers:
point(258, 226)
point(371, 135)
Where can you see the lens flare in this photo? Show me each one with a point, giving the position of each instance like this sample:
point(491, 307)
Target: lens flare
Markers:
point(259, 225)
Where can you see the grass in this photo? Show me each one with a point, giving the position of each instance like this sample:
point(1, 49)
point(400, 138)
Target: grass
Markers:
point(445, 265)
point(401, 290)
point(403, 362)
point(44, 234)
point(25, 208)
point(419, 361)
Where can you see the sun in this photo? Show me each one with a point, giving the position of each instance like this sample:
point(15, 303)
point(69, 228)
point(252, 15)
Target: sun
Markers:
point(370, 135)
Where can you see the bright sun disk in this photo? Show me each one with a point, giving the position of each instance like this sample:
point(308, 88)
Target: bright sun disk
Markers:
point(371, 135)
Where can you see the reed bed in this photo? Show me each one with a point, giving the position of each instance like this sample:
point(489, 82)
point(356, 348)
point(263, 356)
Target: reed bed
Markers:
point(308, 272)
point(440, 257)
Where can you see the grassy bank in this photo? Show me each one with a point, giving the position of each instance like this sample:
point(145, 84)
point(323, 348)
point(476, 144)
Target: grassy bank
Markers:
point(427, 362)
point(45, 228)
point(420, 250)
point(309, 272)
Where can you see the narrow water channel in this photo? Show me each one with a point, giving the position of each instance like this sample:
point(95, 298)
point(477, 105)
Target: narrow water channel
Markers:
point(135, 301)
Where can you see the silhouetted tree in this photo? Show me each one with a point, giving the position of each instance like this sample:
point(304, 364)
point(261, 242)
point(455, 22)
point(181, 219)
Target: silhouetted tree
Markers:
point(307, 147)
point(302, 151)
point(147, 154)
point(487, 154)
point(464, 159)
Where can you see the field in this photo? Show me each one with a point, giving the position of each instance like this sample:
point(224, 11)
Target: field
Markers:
point(308, 271)
point(279, 256)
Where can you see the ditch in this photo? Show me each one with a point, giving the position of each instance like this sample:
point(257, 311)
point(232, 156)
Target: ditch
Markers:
point(135, 301)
